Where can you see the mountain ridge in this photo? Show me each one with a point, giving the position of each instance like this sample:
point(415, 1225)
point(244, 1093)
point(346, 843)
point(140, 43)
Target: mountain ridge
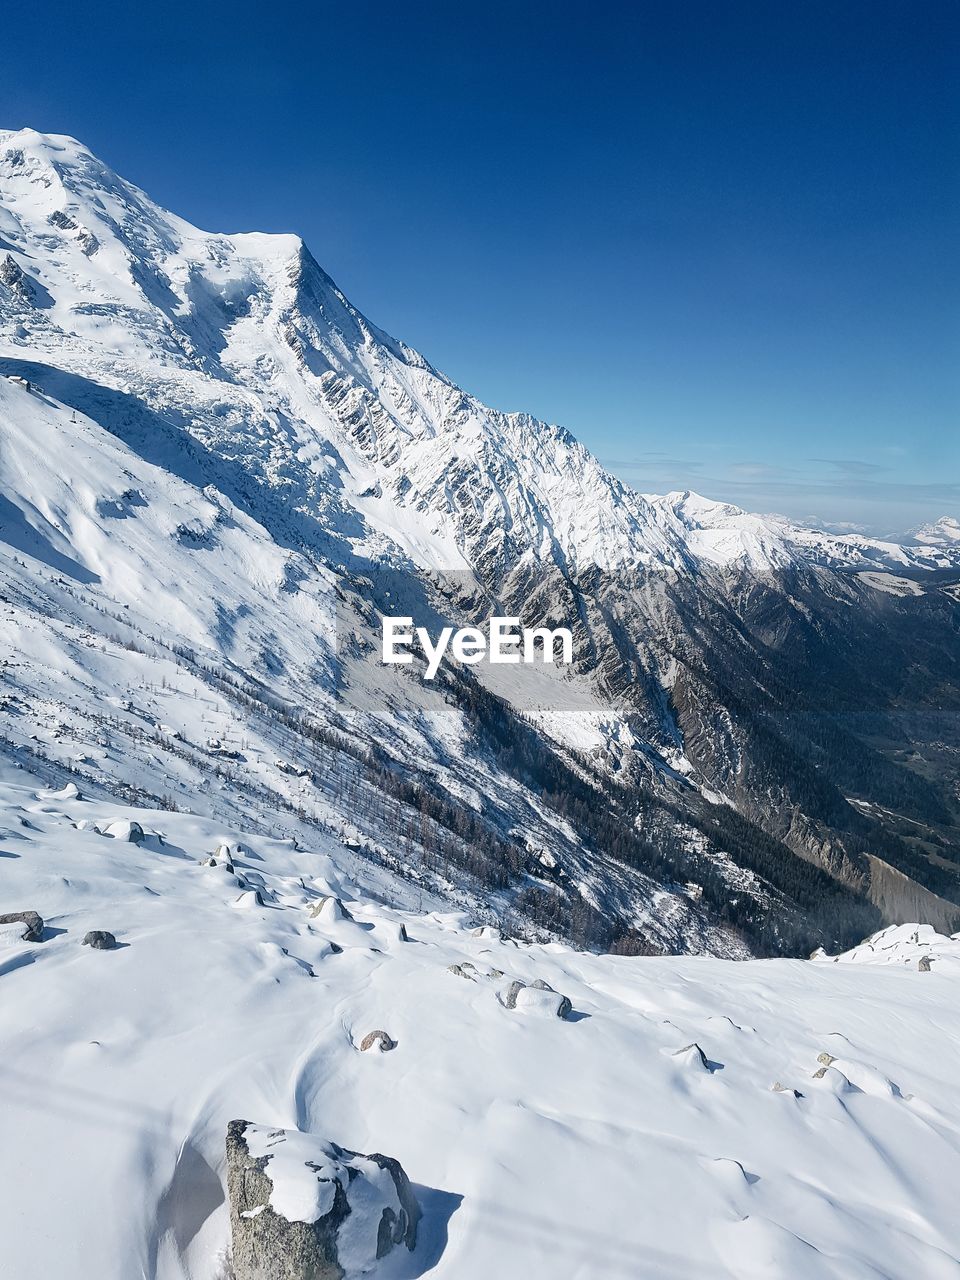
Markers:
point(264, 472)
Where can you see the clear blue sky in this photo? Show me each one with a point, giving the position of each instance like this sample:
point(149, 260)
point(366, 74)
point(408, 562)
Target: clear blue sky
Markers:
point(719, 242)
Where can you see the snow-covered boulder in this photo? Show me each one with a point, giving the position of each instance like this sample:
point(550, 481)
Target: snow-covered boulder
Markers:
point(302, 1208)
point(329, 910)
point(538, 998)
point(124, 829)
point(70, 792)
point(249, 899)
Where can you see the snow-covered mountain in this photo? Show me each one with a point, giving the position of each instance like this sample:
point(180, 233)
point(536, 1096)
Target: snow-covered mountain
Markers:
point(342, 896)
point(724, 534)
point(217, 474)
point(259, 356)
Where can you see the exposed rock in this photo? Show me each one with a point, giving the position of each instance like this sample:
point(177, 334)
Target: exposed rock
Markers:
point(777, 1087)
point(125, 829)
point(100, 940)
point(693, 1056)
point(378, 1041)
point(248, 899)
point(32, 922)
point(923, 965)
point(537, 997)
point(827, 1059)
point(329, 909)
point(508, 997)
point(15, 278)
point(302, 1208)
point(465, 970)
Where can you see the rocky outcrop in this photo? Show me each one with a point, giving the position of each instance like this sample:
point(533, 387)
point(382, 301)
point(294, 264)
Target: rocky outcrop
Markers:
point(32, 924)
point(302, 1208)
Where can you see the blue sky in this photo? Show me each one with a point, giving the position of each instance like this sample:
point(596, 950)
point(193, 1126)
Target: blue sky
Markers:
point(717, 241)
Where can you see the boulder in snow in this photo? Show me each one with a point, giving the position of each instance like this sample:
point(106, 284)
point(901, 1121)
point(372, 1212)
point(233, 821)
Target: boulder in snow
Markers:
point(100, 940)
point(302, 1208)
point(70, 792)
point(378, 1041)
point(692, 1057)
point(329, 909)
point(249, 899)
point(537, 998)
point(32, 923)
point(124, 829)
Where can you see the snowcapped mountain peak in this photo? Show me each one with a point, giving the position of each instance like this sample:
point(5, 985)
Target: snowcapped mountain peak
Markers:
point(940, 533)
point(244, 343)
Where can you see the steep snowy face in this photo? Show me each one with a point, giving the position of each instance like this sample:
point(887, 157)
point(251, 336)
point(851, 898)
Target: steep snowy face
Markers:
point(282, 375)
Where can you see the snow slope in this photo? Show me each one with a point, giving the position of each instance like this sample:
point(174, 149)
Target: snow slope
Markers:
point(641, 1137)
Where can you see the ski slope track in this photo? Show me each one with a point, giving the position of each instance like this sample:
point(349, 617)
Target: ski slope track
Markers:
point(216, 476)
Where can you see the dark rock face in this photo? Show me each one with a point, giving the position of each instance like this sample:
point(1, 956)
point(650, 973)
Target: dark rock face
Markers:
point(100, 940)
point(269, 1246)
point(31, 921)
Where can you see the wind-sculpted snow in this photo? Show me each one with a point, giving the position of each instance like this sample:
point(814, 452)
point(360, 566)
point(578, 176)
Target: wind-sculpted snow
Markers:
point(687, 1117)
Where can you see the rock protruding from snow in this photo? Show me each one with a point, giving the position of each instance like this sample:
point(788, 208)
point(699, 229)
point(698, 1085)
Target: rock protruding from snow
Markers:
point(329, 910)
point(378, 1041)
point(125, 829)
point(537, 998)
point(32, 923)
point(302, 1208)
point(692, 1057)
point(100, 940)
